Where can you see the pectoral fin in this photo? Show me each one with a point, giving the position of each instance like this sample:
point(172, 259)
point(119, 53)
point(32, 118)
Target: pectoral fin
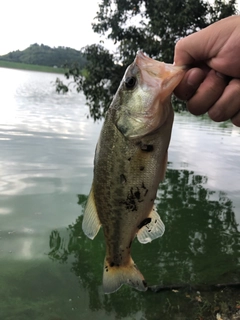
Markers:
point(91, 223)
point(151, 228)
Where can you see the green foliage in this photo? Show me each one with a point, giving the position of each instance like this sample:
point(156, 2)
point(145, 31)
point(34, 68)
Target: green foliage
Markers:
point(153, 26)
point(98, 80)
point(45, 56)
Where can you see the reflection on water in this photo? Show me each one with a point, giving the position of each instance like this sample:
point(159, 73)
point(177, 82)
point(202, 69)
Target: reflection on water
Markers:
point(202, 229)
point(200, 246)
point(47, 146)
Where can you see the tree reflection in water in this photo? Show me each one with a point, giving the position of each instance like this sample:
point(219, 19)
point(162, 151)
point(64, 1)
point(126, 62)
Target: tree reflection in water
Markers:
point(202, 239)
point(200, 246)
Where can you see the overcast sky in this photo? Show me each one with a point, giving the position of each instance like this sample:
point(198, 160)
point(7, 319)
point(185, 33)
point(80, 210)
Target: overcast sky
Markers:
point(50, 22)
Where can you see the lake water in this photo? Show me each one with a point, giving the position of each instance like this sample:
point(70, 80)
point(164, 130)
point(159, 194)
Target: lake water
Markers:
point(48, 268)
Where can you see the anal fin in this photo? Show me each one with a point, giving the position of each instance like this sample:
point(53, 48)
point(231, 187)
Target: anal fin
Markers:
point(152, 229)
point(91, 223)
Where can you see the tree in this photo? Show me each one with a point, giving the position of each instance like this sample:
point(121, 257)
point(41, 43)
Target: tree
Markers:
point(45, 56)
point(153, 26)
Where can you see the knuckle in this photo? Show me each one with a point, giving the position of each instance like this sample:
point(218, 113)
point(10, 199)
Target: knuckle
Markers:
point(216, 86)
point(179, 44)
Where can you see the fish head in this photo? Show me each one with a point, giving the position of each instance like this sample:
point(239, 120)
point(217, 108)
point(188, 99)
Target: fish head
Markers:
point(142, 103)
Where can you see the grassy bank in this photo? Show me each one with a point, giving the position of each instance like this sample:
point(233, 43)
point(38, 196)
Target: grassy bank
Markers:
point(31, 67)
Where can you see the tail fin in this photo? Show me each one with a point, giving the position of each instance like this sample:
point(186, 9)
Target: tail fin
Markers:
point(115, 276)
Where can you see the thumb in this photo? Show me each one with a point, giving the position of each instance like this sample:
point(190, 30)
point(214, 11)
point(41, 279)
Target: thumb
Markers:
point(205, 44)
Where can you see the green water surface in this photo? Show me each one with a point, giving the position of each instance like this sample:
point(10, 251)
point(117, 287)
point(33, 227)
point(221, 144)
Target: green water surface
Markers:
point(49, 270)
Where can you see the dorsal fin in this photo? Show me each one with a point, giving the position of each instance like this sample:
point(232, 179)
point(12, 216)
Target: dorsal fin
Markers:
point(152, 229)
point(91, 223)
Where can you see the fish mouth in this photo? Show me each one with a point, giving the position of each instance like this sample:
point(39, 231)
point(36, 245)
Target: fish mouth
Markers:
point(158, 74)
point(146, 106)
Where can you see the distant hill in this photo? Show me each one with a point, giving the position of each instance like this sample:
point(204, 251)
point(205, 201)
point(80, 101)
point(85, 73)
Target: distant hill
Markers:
point(45, 56)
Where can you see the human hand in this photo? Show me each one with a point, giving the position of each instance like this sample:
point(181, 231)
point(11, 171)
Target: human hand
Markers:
point(212, 84)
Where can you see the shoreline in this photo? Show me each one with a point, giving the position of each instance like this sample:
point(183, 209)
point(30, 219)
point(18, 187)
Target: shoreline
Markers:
point(30, 67)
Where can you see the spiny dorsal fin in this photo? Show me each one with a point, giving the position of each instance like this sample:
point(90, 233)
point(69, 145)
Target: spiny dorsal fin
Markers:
point(152, 230)
point(91, 223)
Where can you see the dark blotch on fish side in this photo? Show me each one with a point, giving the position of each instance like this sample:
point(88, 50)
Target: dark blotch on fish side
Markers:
point(144, 222)
point(113, 264)
point(143, 186)
point(130, 201)
point(137, 194)
point(123, 179)
point(147, 147)
point(141, 168)
point(129, 159)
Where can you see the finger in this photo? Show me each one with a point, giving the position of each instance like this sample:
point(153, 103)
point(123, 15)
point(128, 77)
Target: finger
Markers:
point(209, 91)
point(198, 46)
point(236, 119)
point(189, 84)
point(228, 105)
point(206, 43)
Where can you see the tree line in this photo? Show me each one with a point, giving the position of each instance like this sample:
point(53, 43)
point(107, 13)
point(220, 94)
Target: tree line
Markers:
point(46, 56)
point(153, 26)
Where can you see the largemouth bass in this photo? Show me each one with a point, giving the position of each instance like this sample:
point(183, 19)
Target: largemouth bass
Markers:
point(130, 161)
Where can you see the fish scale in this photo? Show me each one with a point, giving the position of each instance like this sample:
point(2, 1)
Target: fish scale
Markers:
point(130, 161)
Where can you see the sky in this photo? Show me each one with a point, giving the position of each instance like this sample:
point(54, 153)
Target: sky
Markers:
point(50, 22)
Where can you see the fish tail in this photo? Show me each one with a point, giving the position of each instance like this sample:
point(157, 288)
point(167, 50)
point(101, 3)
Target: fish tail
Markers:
point(115, 276)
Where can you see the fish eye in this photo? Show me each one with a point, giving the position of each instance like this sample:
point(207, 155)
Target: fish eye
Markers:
point(130, 82)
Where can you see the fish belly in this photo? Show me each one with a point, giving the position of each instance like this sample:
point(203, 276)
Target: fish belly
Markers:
point(126, 177)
